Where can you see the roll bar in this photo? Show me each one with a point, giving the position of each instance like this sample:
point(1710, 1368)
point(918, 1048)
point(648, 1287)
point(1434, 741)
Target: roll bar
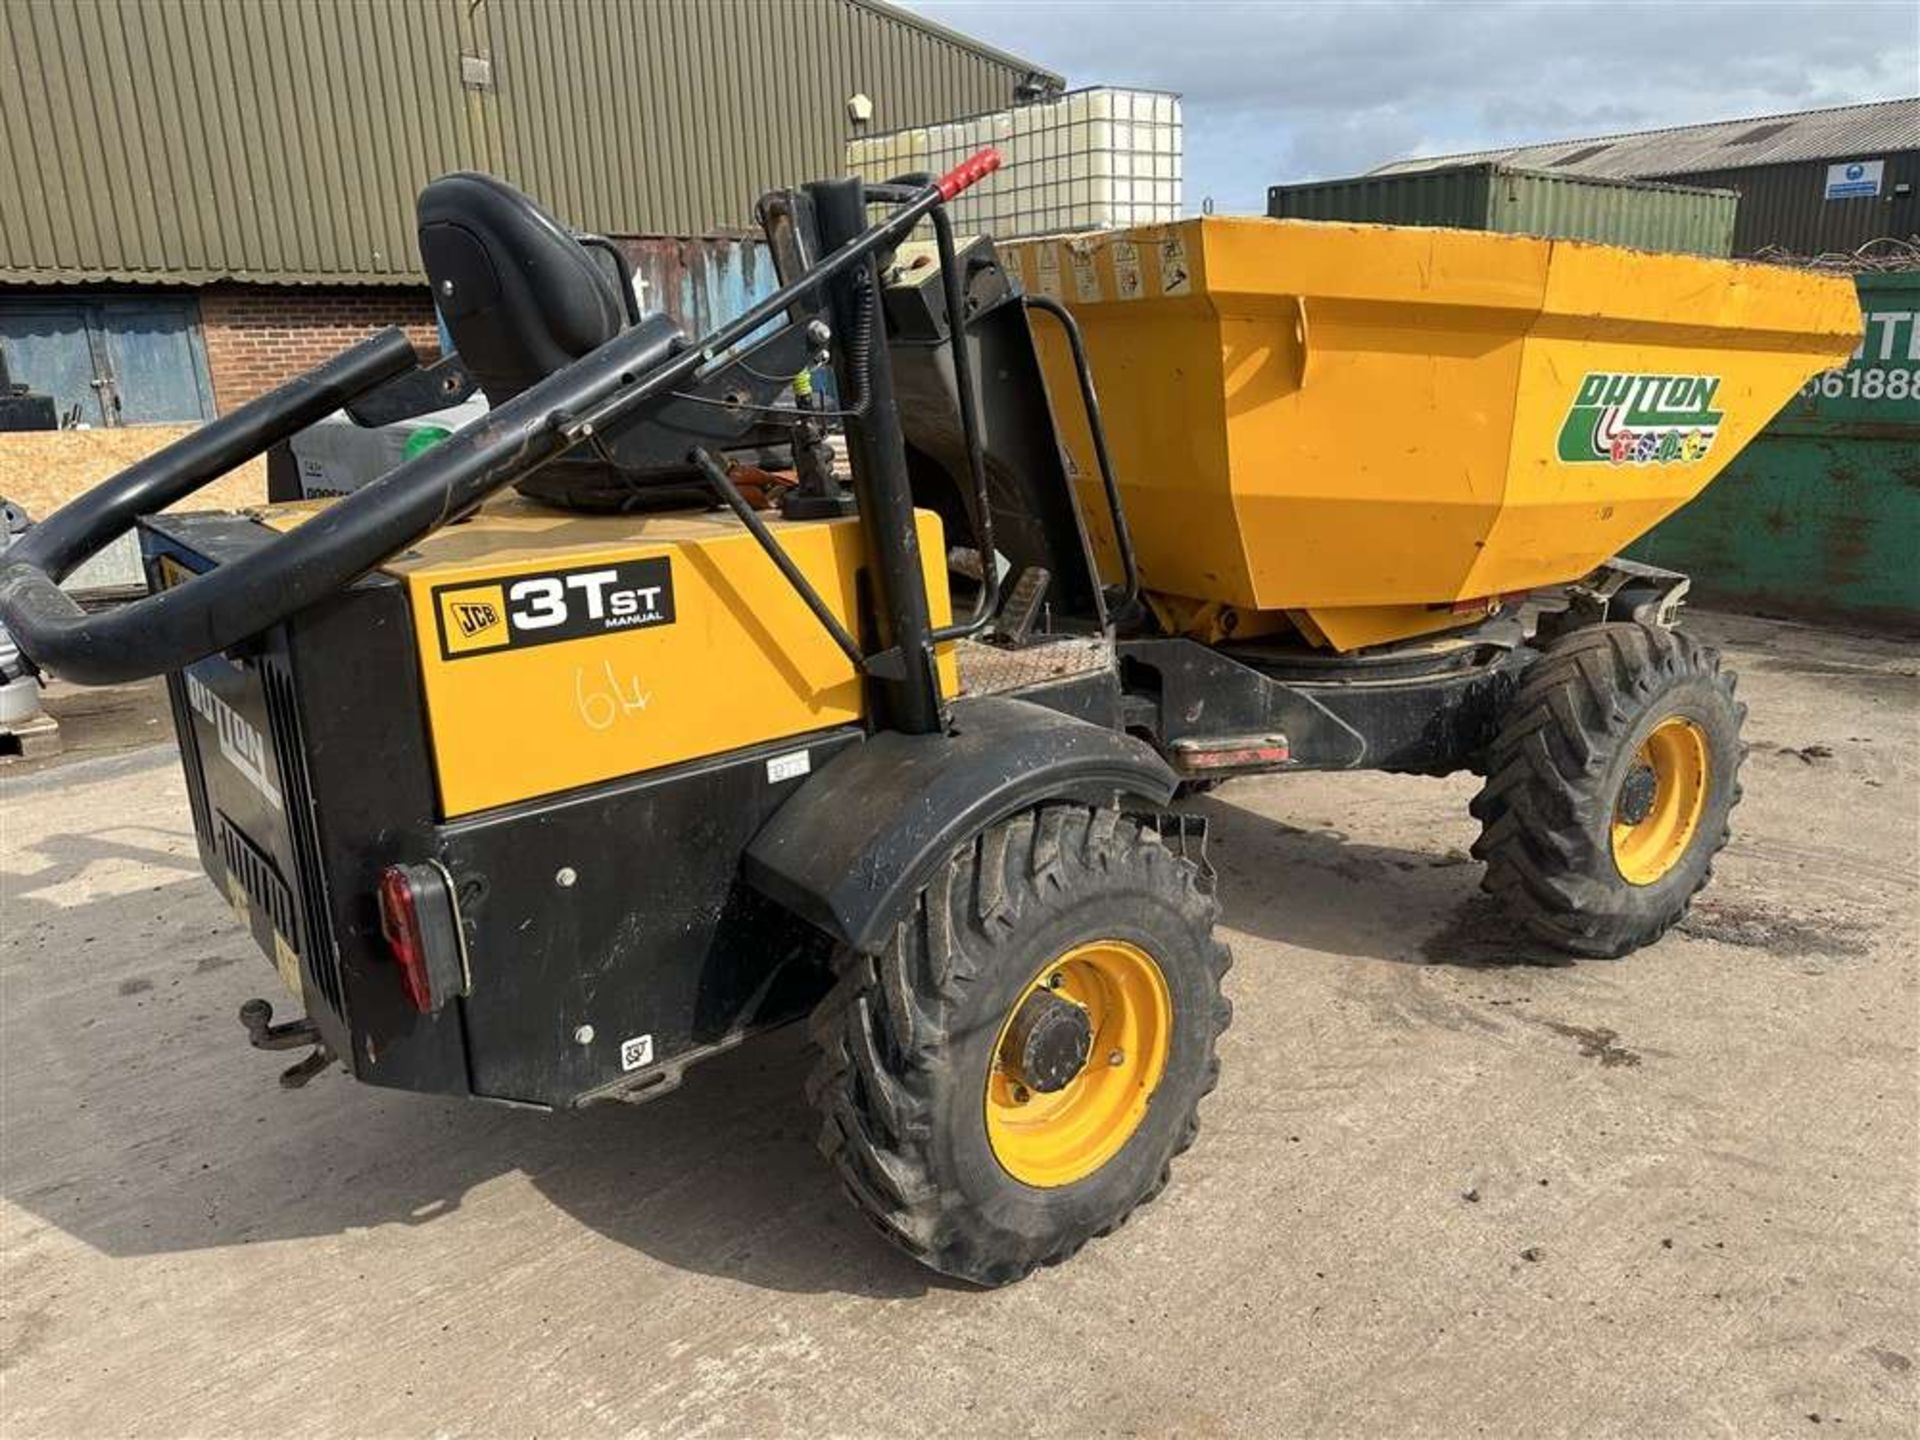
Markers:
point(212, 612)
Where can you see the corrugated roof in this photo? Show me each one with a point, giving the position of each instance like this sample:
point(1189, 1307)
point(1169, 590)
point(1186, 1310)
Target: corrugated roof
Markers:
point(1844, 132)
point(284, 141)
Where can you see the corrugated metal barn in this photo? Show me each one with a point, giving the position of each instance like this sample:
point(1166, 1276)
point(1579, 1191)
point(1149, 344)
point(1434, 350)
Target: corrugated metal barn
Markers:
point(259, 158)
point(1817, 181)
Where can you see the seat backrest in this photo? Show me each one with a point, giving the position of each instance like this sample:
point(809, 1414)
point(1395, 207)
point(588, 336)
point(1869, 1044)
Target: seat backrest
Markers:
point(521, 297)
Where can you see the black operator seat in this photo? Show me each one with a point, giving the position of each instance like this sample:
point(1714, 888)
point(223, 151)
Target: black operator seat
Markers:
point(521, 297)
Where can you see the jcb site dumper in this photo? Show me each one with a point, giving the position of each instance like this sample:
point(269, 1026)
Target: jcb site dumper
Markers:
point(619, 727)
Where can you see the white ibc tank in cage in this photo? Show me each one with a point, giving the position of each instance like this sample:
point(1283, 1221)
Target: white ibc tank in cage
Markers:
point(1086, 160)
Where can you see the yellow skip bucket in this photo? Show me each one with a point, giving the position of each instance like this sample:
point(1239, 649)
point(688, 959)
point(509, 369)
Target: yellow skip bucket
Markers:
point(1365, 428)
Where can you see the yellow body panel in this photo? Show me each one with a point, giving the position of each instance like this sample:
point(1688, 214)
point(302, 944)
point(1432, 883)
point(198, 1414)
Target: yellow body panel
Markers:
point(1338, 419)
point(1355, 627)
point(734, 659)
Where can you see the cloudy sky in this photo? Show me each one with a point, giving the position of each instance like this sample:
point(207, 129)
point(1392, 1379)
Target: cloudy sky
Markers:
point(1281, 91)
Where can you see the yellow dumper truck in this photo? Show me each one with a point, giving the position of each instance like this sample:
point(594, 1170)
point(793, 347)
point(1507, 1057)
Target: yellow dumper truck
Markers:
point(629, 722)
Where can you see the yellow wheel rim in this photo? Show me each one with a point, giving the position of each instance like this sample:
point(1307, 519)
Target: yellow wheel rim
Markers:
point(1647, 847)
point(1047, 1140)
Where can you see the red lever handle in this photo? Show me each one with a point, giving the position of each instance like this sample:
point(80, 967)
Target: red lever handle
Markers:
point(970, 171)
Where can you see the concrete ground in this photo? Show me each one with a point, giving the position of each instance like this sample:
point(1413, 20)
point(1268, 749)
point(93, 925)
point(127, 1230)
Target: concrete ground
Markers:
point(1447, 1187)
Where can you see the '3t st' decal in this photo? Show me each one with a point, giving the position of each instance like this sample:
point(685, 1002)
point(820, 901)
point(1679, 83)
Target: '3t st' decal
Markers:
point(553, 605)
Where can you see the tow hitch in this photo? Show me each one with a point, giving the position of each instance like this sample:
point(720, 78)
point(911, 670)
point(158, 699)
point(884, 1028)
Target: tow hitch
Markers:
point(257, 1016)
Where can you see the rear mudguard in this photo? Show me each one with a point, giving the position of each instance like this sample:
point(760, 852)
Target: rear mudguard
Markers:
point(850, 851)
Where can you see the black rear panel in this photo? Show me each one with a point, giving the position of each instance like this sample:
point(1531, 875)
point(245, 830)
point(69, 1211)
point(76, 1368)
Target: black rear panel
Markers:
point(619, 908)
point(309, 771)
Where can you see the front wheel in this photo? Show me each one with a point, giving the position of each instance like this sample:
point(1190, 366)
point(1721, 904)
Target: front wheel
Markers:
point(1013, 1074)
point(1609, 787)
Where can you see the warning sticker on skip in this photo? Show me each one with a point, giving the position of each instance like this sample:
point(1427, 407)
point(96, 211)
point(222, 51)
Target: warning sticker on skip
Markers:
point(1047, 263)
point(1086, 279)
point(1175, 277)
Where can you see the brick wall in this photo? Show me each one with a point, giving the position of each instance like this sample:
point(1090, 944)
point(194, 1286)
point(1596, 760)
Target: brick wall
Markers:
point(260, 335)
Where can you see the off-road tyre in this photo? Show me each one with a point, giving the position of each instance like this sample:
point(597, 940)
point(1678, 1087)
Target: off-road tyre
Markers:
point(907, 1038)
point(1555, 774)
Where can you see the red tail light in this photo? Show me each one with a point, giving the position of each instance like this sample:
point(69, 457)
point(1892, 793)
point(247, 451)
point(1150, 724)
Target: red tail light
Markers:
point(422, 929)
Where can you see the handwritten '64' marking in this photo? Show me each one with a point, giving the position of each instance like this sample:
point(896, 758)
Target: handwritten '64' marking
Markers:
point(604, 697)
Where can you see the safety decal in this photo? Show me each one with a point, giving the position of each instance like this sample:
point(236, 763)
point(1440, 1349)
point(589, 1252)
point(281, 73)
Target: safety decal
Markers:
point(636, 1052)
point(1126, 269)
point(1086, 279)
point(1046, 259)
point(1176, 277)
point(790, 766)
point(553, 605)
point(1628, 419)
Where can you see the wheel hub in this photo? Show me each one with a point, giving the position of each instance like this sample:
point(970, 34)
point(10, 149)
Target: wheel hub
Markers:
point(1636, 794)
point(1077, 1061)
point(1047, 1044)
point(1663, 794)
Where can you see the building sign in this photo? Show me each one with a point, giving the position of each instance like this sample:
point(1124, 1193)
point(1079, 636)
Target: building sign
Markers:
point(1855, 180)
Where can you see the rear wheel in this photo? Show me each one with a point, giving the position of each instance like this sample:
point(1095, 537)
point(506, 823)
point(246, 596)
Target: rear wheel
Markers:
point(1013, 1074)
point(1609, 787)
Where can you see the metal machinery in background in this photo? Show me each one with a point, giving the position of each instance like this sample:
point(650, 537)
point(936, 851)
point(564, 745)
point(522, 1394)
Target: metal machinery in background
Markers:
point(542, 797)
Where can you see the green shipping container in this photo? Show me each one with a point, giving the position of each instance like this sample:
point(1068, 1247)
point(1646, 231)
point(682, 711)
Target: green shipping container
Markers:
point(1819, 518)
point(1512, 201)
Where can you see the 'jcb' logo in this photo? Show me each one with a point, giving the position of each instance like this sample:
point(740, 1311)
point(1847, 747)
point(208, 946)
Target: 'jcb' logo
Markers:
point(473, 618)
